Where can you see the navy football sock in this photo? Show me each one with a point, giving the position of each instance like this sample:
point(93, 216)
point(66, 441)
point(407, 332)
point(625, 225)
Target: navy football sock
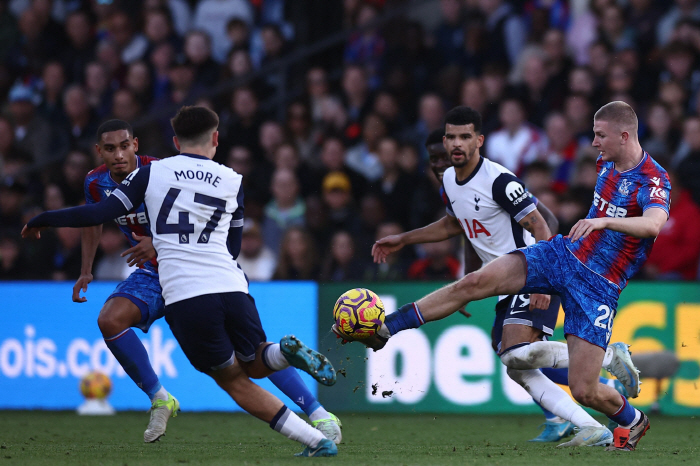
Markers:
point(548, 415)
point(560, 376)
point(625, 415)
point(407, 316)
point(290, 383)
point(132, 356)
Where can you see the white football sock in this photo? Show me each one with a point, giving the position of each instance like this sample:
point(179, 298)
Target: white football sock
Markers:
point(273, 357)
point(320, 413)
point(552, 397)
point(539, 354)
point(293, 427)
point(607, 359)
point(161, 394)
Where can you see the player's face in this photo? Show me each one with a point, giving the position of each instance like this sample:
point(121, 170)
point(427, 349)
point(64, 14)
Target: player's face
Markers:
point(606, 140)
point(438, 159)
point(461, 143)
point(118, 151)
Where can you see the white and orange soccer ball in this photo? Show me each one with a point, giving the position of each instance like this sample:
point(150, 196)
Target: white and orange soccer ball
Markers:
point(359, 312)
point(95, 385)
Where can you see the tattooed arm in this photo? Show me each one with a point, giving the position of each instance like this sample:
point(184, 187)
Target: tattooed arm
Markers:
point(535, 224)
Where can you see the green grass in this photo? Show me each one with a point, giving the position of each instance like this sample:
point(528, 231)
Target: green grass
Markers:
point(55, 438)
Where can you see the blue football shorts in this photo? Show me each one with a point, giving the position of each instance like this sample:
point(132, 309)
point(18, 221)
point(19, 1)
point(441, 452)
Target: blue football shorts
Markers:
point(515, 309)
point(143, 289)
point(589, 300)
point(215, 329)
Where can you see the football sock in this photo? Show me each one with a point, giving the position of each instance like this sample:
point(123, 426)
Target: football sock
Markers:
point(548, 415)
point(161, 394)
point(290, 383)
point(407, 316)
point(132, 356)
point(273, 358)
point(550, 396)
point(536, 355)
point(319, 413)
point(607, 359)
point(627, 415)
point(560, 376)
point(293, 427)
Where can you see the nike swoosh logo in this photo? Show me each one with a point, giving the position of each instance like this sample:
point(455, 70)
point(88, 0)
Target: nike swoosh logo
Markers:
point(517, 312)
point(453, 202)
point(313, 452)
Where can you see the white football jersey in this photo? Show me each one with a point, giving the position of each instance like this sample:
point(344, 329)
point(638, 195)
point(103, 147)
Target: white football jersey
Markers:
point(488, 205)
point(191, 202)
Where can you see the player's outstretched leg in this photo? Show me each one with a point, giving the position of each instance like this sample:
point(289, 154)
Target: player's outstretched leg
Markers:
point(115, 320)
point(302, 357)
point(290, 383)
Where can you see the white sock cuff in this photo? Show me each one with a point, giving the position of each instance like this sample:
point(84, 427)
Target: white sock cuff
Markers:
point(273, 358)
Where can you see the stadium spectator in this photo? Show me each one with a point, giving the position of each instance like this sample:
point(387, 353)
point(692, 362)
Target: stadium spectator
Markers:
point(110, 265)
point(560, 151)
point(82, 122)
point(298, 257)
point(342, 263)
point(682, 10)
point(258, 261)
point(395, 186)
point(33, 133)
point(213, 16)
point(198, 52)
point(689, 167)
point(98, 89)
point(357, 100)
point(661, 138)
point(286, 208)
point(53, 81)
point(505, 32)
point(158, 28)
point(337, 196)
point(396, 265)
point(439, 263)
point(362, 157)
point(680, 233)
point(13, 159)
point(241, 121)
point(518, 142)
point(131, 44)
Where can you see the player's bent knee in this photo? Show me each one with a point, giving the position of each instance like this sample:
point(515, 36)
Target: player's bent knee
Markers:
point(516, 375)
point(468, 283)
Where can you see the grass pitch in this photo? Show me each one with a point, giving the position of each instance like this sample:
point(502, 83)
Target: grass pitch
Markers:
point(58, 438)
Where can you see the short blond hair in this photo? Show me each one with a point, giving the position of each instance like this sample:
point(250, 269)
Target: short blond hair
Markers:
point(621, 115)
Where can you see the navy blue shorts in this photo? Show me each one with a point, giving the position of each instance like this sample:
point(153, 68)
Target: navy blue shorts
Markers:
point(214, 329)
point(143, 289)
point(515, 309)
point(589, 300)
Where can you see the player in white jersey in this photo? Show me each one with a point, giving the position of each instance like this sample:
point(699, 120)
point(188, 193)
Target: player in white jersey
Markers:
point(491, 206)
point(196, 215)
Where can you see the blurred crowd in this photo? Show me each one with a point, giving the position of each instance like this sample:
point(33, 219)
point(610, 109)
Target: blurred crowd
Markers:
point(331, 145)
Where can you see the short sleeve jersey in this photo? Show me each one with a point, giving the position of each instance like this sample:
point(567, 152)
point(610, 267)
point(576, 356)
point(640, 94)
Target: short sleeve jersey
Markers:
point(488, 205)
point(192, 202)
point(614, 255)
point(99, 185)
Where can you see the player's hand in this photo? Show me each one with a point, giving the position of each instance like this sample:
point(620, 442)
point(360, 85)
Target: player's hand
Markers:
point(32, 233)
point(464, 312)
point(539, 301)
point(81, 284)
point(385, 246)
point(142, 252)
point(585, 226)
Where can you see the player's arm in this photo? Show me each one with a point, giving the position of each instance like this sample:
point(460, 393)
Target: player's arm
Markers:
point(235, 232)
point(445, 228)
point(122, 200)
point(90, 239)
point(647, 226)
point(536, 225)
point(549, 217)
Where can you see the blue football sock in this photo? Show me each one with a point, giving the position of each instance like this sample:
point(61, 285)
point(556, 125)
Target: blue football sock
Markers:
point(132, 356)
point(560, 376)
point(625, 415)
point(289, 382)
point(548, 415)
point(407, 316)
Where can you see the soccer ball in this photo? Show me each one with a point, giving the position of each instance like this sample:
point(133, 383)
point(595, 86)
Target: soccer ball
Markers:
point(95, 385)
point(359, 312)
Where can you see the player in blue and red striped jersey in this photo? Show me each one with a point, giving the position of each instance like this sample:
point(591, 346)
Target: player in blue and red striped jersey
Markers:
point(138, 302)
point(588, 269)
